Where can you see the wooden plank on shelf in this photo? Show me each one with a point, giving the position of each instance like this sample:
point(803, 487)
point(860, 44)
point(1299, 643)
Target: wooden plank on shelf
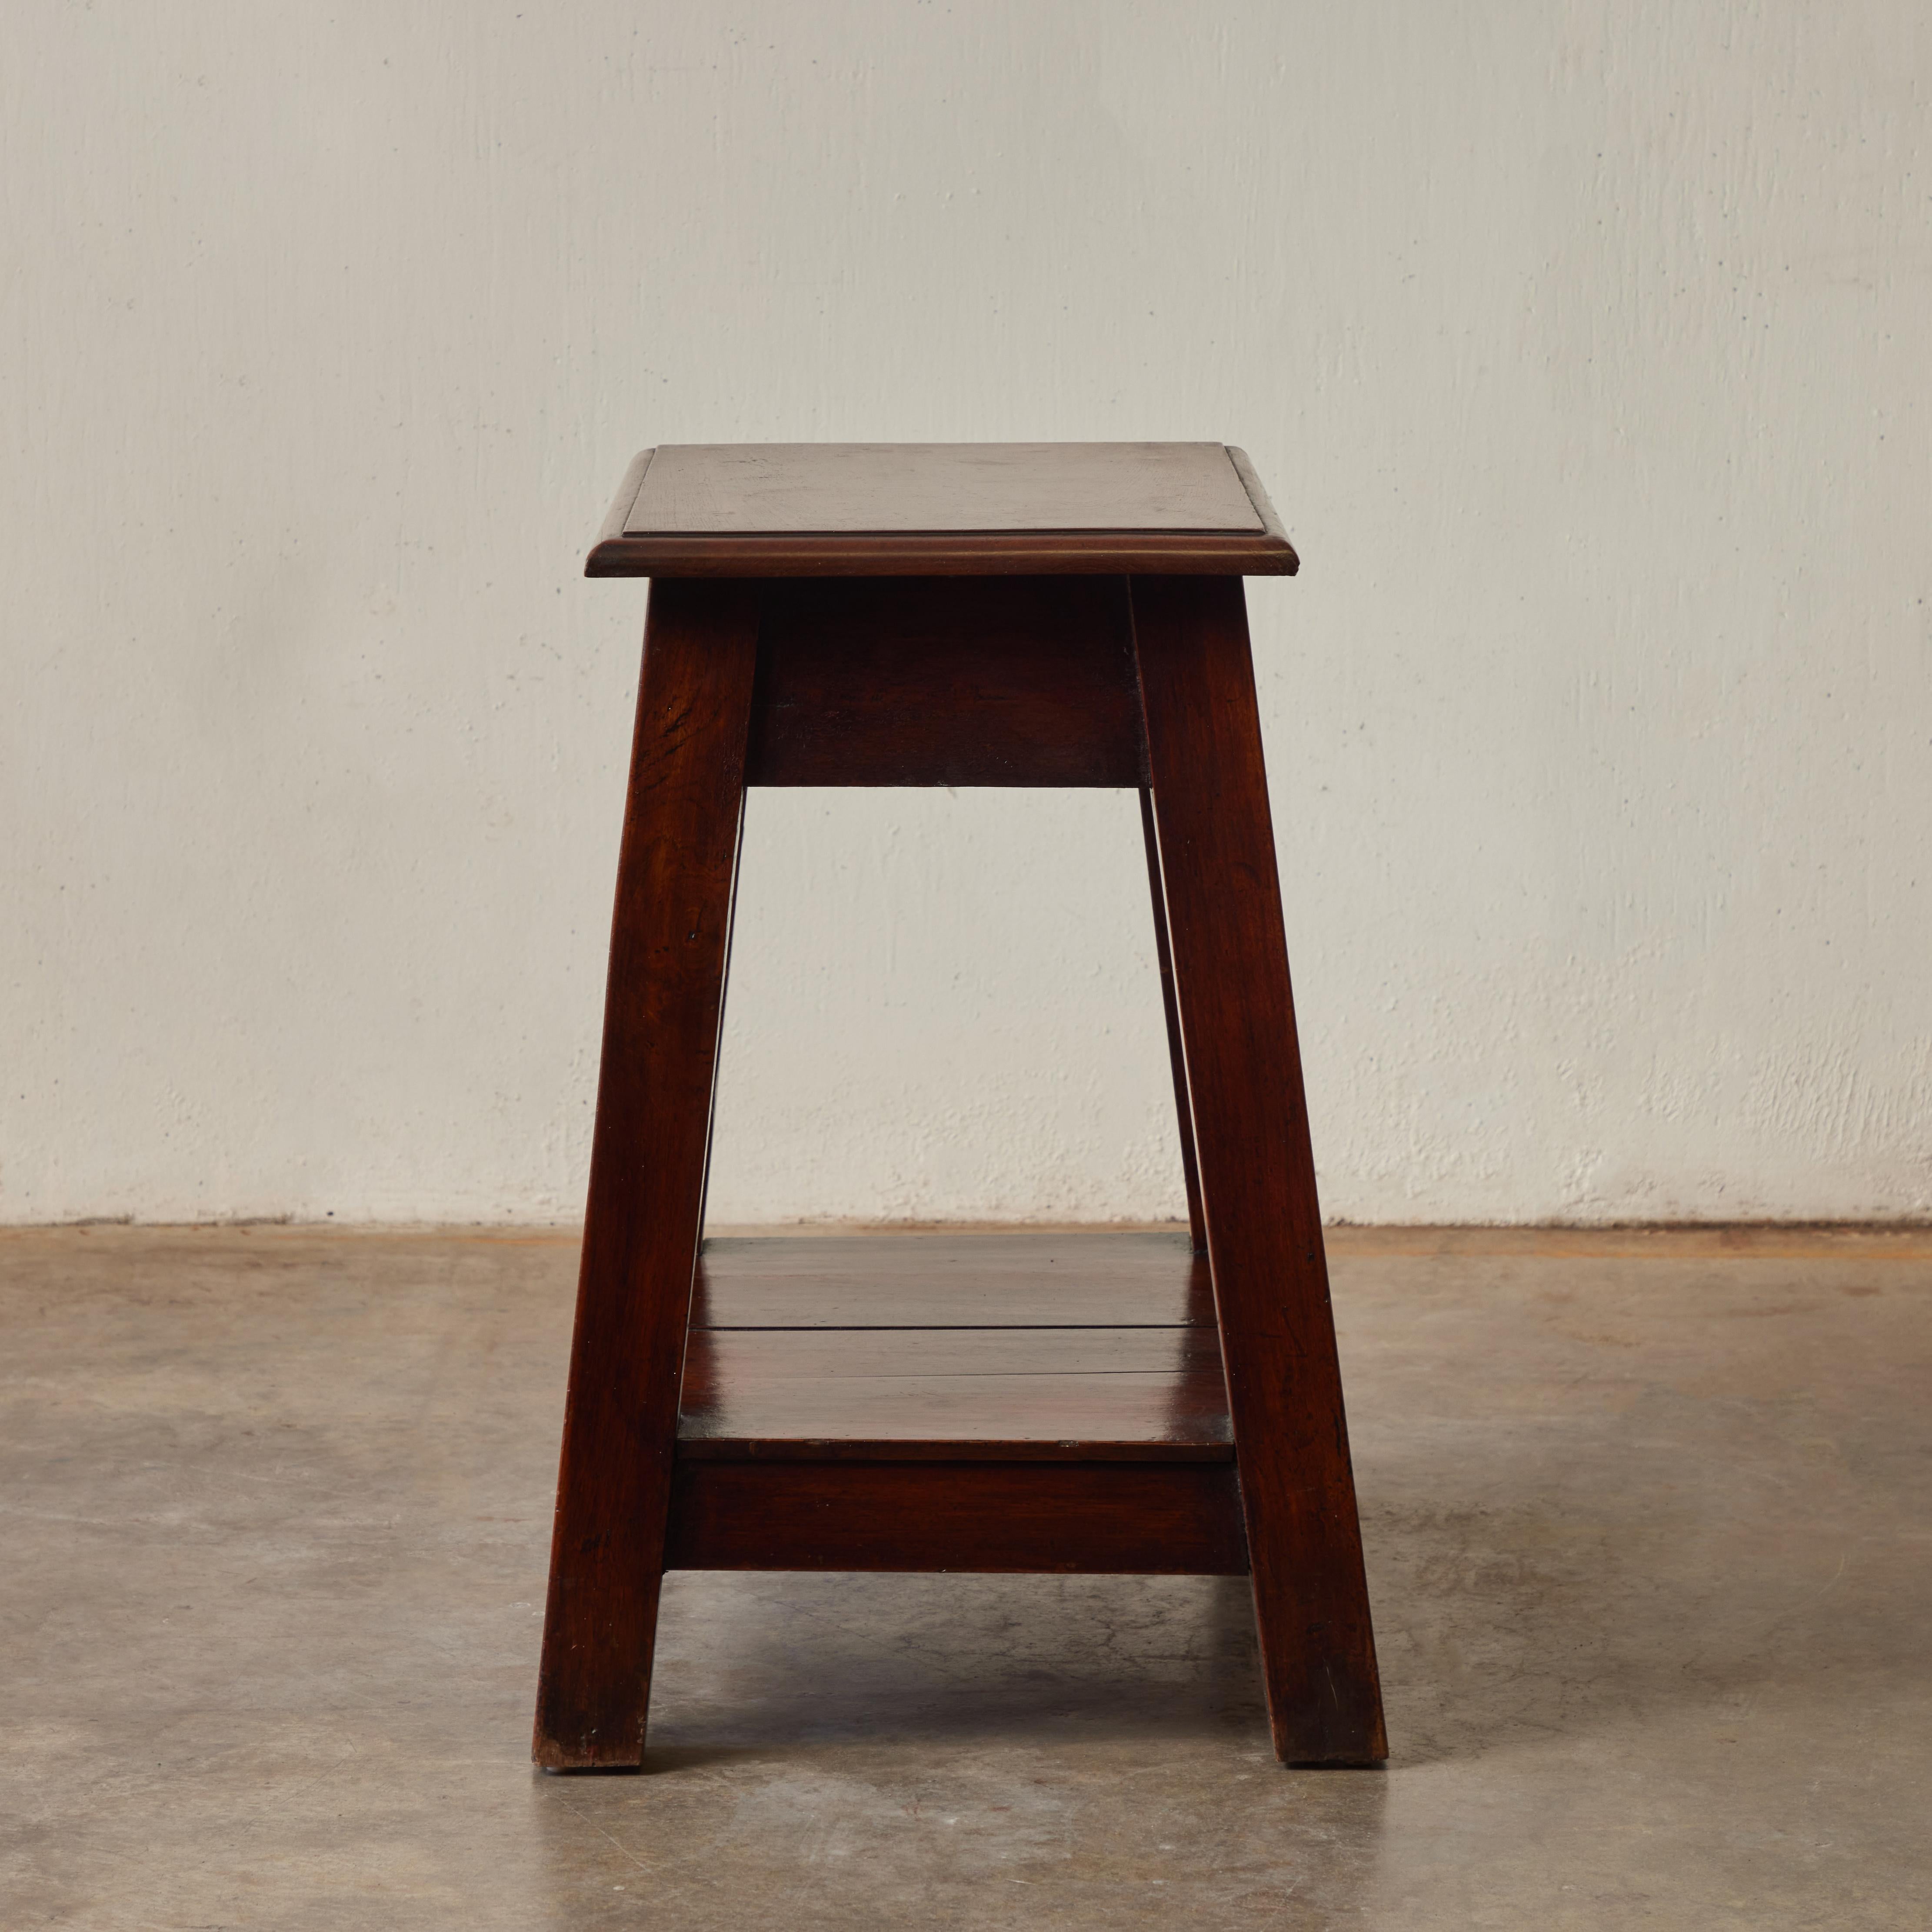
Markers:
point(1063, 1393)
point(1047, 1278)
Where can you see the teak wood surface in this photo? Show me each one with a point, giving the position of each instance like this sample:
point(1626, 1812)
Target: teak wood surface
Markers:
point(663, 1001)
point(1257, 1168)
point(934, 509)
point(1004, 1402)
point(1063, 1519)
point(1097, 1279)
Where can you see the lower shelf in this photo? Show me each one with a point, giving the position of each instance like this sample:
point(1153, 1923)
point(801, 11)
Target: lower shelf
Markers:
point(1043, 1347)
point(1007, 1402)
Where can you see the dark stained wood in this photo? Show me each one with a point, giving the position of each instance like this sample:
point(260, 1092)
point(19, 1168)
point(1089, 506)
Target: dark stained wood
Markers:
point(942, 509)
point(1027, 1402)
point(1186, 1446)
point(1033, 1279)
point(661, 1018)
point(1053, 1394)
point(1257, 495)
point(926, 681)
point(1177, 1061)
point(619, 513)
point(826, 1359)
point(763, 489)
point(1145, 1519)
point(995, 554)
point(1230, 955)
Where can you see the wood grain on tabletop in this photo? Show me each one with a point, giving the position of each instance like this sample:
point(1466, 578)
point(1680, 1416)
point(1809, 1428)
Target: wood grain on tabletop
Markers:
point(778, 509)
point(766, 488)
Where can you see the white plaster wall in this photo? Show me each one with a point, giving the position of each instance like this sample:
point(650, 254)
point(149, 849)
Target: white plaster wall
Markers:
point(1584, 347)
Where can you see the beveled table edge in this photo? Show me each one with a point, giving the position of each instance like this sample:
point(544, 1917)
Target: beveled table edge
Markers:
point(945, 552)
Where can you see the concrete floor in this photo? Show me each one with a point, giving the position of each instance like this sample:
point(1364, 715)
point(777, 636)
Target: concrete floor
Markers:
point(1649, 1524)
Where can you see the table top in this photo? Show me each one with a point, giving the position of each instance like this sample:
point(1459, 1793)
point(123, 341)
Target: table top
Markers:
point(782, 509)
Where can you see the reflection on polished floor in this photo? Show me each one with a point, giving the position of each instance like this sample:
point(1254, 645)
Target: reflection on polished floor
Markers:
point(1649, 1529)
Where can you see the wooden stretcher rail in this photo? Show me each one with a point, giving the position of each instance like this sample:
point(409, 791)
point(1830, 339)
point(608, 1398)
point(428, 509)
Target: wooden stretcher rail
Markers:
point(1145, 1518)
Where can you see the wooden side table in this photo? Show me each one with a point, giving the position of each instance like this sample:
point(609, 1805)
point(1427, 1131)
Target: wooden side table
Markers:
point(1015, 614)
